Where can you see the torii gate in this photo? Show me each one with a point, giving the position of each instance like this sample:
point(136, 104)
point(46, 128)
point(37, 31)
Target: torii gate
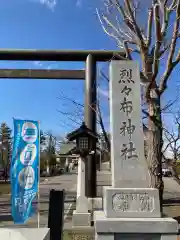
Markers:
point(90, 57)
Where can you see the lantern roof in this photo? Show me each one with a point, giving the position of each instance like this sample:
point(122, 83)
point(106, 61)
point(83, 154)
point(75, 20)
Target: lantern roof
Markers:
point(83, 130)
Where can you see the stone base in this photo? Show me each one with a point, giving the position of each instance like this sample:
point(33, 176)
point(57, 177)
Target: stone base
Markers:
point(81, 219)
point(105, 166)
point(95, 204)
point(134, 228)
point(131, 202)
point(25, 234)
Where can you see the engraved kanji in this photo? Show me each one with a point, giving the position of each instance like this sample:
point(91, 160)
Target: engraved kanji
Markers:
point(129, 151)
point(124, 206)
point(126, 76)
point(121, 202)
point(134, 196)
point(145, 202)
point(126, 90)
point(126, 106)
point(127, 127)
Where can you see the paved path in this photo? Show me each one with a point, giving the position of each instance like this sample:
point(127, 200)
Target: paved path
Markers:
point(68, 182)
point(171, 206)
point(65, 181)
point(170, 185)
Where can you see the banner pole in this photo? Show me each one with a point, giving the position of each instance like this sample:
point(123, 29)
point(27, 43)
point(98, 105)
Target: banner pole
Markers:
point(38, 216)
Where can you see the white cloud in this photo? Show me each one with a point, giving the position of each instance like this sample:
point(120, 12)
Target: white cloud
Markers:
point(50, 67)
point(43, 65)
point(79, 3)
point(38, 63)
point(51, 4)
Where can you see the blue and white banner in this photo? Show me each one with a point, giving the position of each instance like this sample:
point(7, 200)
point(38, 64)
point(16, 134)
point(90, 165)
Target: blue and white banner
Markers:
point(24, 169)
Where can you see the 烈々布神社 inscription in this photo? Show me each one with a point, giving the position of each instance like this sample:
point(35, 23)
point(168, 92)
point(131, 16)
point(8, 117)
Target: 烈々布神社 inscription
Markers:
point(128, 150)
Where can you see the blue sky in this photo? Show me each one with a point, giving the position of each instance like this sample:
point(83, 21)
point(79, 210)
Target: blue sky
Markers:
point(34, 24)
point(31, 24)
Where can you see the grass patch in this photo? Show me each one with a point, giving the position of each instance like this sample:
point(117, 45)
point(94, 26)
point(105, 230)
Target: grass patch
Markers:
point(5, 188)
point(79, 234)
point(66, 236)
point(178, 168)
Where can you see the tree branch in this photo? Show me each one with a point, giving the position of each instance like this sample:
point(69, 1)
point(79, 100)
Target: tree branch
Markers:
point(127, 50)
point(125, 17)
point(144, 79)
point(70, 118)
point(166, 15)
point(157, 28)
point(134, 23)
point(177, 59)
point(149, 28)
point(173, 5)
point(106, 31)
point(170, 64)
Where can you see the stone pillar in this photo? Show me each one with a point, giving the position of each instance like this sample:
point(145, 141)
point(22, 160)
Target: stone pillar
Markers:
point(47, 167)
point(67, 161)
point(81, 178)
point(67, 164)
point(81, 216)
point(131, 206)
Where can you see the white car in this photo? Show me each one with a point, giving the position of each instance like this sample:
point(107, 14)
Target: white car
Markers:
point(166, 172)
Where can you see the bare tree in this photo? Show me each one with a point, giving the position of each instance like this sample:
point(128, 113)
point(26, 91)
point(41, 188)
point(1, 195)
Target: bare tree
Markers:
point(73, 112)
point(152, 44)
point(71, 109)
point(172, 144)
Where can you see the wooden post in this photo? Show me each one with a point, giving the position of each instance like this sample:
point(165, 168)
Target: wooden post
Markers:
point(56, 214)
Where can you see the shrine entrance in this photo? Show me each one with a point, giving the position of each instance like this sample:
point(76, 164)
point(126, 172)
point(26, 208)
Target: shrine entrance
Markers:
point(89, 75)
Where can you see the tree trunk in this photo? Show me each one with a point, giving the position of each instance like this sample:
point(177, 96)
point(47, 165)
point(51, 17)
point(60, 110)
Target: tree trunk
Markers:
point(5, 174)
point(155, 142)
